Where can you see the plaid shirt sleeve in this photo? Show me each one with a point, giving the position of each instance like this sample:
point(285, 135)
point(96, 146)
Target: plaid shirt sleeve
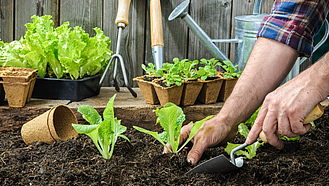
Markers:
point(294, 23)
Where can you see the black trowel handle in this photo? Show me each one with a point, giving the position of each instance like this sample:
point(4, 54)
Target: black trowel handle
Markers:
point(316, 113)
point(123, 12)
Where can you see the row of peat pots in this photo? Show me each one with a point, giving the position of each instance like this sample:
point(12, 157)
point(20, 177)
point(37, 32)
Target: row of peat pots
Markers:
point(209, 91)
point(17, 84)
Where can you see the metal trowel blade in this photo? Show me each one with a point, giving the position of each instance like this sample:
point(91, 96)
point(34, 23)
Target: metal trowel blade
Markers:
point(218, 164)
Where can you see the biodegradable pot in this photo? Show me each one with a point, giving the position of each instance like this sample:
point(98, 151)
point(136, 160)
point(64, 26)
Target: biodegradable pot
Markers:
point(18, 84)
point(210, 90)
point(51, 126)
point(171, 94)
point(66, 89)
point(147, 90)
point(227, 88)
point(191, 90)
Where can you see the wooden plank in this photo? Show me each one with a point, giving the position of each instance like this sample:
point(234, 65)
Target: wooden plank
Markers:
point(7, 20)
point(132, 40)
point(84, 13)
point(175, 34)
point(24, 9)
point(212, 17)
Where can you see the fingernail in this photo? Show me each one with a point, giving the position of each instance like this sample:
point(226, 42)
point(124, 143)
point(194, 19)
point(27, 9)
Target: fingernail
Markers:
point(191, 160)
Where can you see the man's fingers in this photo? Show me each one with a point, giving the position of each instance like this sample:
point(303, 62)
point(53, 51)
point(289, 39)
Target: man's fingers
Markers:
point(269, 128)
point(257, 127)
point(185, 133)
point(196, 152)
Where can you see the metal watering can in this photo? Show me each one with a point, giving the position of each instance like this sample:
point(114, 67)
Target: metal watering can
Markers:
point(246, 29)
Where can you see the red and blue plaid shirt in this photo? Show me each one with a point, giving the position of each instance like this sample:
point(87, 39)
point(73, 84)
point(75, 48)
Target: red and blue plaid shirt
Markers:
point(294, 23)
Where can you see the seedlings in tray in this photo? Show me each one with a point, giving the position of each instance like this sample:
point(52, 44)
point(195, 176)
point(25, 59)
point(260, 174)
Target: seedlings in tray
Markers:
point(149, 69)
point(171, 118)
point(170, 74)
point(187, 68)
point(230, 70)
point(209, 68)
point(104, 133)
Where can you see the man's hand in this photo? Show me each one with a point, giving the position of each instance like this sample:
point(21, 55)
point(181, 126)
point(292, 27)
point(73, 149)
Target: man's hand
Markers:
point(211, 133)
point(284, 109)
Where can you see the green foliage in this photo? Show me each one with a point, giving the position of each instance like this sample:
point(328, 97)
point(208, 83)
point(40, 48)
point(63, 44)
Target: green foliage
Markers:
point(12, 54)
point(230, 70)
point(250, 151)
point(187, 68)
point(104, 133)
point(149, 69)
point(58, 52)
point(209, 68)
point(171, 118)
point(170, 74)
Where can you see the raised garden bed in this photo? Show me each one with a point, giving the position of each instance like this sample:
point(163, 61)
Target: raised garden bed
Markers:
point(141, 162)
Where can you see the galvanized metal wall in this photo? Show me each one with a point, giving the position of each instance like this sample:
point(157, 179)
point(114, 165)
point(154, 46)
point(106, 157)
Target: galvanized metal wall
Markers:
point(216, 17)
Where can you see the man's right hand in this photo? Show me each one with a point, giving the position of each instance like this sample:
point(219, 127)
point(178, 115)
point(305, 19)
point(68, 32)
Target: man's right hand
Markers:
point(213, 132)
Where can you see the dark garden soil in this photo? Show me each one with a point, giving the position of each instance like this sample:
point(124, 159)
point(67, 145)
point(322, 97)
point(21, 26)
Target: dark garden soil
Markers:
point(77, 162)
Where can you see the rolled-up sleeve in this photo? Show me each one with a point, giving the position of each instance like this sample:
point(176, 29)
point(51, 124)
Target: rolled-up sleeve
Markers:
point(294, 23)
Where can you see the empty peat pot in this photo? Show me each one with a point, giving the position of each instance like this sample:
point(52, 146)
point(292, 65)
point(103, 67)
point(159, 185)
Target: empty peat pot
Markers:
point(51, 126)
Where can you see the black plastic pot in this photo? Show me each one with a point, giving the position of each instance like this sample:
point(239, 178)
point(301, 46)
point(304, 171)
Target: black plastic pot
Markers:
point(66, 89)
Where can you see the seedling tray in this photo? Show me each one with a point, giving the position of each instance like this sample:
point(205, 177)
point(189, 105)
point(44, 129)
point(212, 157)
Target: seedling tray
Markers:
point(66, 89)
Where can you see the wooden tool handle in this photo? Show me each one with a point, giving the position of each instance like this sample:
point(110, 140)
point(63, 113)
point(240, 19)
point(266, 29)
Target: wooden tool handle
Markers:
point(315, 113)
point(156, 23)
point(123, 12)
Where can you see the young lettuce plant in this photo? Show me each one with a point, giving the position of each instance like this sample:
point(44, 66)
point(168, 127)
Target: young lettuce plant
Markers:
point(149, 69)
point(104, 133)
point(250, 151)
point(230, 70)
point(171, 118)
point(187, 68)
point(209, 68)
point(170, 74)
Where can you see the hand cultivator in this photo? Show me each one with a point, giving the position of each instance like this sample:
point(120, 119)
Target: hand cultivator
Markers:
point(121, 21)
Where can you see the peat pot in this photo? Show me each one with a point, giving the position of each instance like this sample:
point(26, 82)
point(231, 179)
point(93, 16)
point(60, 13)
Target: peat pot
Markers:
point(210, 90)
point(227, 88)
point(191, 91)
point(18, 85)
point(171, 94)
point(147, 90)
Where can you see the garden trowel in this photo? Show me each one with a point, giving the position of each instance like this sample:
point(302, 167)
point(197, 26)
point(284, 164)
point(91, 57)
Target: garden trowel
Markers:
point(221, 164)
point(156, 33)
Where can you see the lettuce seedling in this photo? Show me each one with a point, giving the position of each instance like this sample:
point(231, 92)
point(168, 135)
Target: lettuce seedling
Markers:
point(250, 151)
point(171, 118)
point(104, 133)
point(209, 68)
point(187, 68)
point(170, 74)
point(149, 69)
point(230, 70)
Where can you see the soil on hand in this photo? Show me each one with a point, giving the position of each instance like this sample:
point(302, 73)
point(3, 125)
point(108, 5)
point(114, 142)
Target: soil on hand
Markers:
point(141, 162)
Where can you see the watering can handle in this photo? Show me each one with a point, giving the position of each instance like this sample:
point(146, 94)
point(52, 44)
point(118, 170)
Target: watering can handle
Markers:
point(257, 7)
point(315, 113)
point(123, 11)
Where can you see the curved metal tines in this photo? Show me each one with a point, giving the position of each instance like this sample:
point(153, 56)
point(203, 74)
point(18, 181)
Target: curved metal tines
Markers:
point(117, 57)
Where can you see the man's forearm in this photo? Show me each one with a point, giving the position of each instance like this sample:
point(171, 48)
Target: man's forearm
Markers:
point(268, 65)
